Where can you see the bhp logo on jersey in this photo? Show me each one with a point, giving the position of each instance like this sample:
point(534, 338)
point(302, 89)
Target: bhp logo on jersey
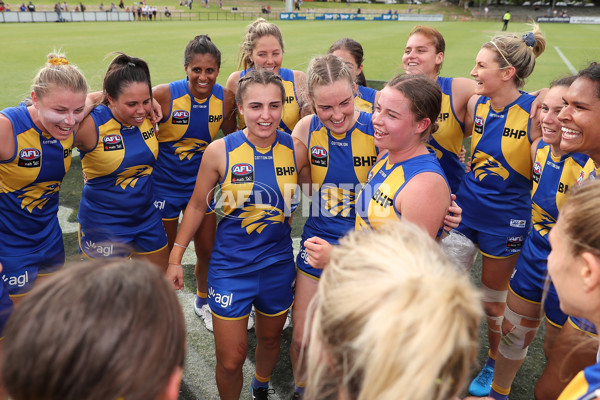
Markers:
point(513, 133)
point(242, 173)
point(318, 156)
point(30, 158)
point(224, 299)
point(113, 142)
point(537, 171)
point(180, 117)
point(479, 123)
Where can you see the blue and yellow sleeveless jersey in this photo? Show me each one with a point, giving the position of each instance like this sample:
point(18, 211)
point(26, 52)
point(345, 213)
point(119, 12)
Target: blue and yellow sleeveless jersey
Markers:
point(291, 108)
point(499, 183)
point(187, 129)
point(257, 196)
point(375, 202)
point(552, 177)
point(584, 386)
point(365, 99)
point(447, 140)
point(590, 171)
point(29, 185)
point(339, 166)
point(118, 193)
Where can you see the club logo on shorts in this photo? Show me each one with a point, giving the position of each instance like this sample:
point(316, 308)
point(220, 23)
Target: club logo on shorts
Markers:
point(537, 171)
point(30, 158)
point(242, 173)
point(113, 142)
point(479, 122)
point(224, 299)
point(514, 243)
point(318, 156)
point(180, 117)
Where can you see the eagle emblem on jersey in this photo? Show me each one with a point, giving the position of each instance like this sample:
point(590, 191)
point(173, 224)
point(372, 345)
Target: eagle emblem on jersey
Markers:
point(38, 194)
point(438, 152)
point(257, 217)
point(188, 148)
point(337, 200)
point(542, 221)
point(130, 176)
point(486, 165)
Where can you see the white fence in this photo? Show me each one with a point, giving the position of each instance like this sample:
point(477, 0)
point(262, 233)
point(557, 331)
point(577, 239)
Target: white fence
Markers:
point(67, 16)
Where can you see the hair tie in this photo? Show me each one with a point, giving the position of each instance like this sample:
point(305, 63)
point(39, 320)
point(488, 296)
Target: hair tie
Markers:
point(131, 64)
point(529, 39)
point(58, 61)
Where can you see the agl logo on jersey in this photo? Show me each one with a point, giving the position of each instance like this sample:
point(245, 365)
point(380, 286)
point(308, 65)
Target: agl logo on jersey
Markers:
point(242, 173)
point(30, 158)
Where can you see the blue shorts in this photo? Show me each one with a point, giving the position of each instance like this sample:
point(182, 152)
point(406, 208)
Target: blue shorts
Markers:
point(495, 246)
point(269, 290)
point(20, 272)
point(6, 307)
point(583, 325)
point(302, 261)
point(528, 281)
point(100, 242)
point(171, 206)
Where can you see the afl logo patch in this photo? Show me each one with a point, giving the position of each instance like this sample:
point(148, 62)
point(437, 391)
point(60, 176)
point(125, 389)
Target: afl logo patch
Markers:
point(112, 142)
point(242, 173)
point(318, 156)
point(30, 158)
point(537, 171)
point(180, 117)
point(479, 122)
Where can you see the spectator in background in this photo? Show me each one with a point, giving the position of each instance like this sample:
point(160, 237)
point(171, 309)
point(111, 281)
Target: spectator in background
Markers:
point(81, 7)
point(30, 7)
point(23, 8)
point(505, 20)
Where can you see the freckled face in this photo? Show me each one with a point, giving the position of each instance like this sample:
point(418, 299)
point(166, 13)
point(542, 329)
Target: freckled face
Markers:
point(420, 56)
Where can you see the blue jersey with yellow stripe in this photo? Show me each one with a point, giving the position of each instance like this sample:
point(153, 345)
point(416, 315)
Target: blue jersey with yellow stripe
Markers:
point(364, 100)
point(375, 202)
point(447, 140)
point(585, 385)
point(552, 178)
point(118, 192)
point(291, 108)
point(29, 185)
point(499, 183)
point(257, 199)
point(339, 166)
point(187, 129)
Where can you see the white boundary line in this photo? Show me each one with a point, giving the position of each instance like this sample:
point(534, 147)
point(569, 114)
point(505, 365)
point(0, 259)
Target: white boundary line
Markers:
point(565, 60)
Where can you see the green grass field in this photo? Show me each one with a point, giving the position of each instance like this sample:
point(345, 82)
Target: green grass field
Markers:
point(161, 43)
point(89, 45)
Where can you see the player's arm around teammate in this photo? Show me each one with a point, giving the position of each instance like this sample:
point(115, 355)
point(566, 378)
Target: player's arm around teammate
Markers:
point(117, 216)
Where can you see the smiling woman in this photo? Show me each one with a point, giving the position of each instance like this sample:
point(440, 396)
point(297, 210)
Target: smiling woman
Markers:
point(118, 149)
point(34, 157)
point(194, 110)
